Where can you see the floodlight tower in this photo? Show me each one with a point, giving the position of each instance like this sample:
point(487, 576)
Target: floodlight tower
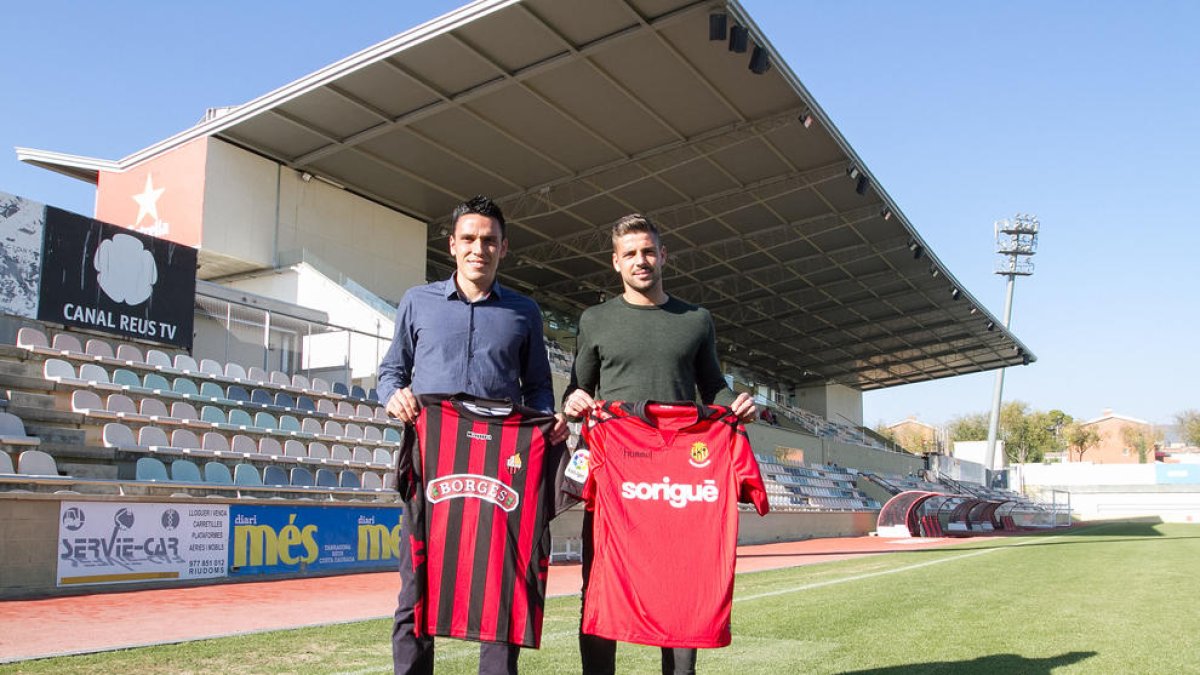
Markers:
point(1016, 242)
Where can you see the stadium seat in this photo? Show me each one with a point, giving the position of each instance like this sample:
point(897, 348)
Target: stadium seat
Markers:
point(339, 454)
point(182, 410)
point(12, 431)
point(117, 435)
point(319, 385)
point(339, 388)
point(151, 469)
point(215, 443)
point(257, 375)
point(371, 481)
point(33, 339)
point(243, 445)
point(326, 478)
point(246, 475)
point(265, 421)
point(301, 477)
point(156, 382)
point(381, 414)
point(217, 474)
point(99, 349)
point(361, 455)
point(186, 440)
point(237, 393)
point(211, 368)
point(57, 370)
point(382, 457)
point(6, 464)
point(95, 375)
point(280, 379)
point(275, 475)
point(372, 434)
point(126, 379)
point(373, 395)
point(261, 397)
point(335, 429)
point(282, 400)
point(295, 449)
point(36, 463)
point(349, 479)
point(185, 387)
point(67, 345)
point(345, 409)
point(289, 424)
point(161, 361)
point(358, 392)
point(186, 363)
point(305, 403)
point(87, 402)
point(240, 419)
point(364, 411)
point(311, 426)
point(392, 435)
point(318, 452)
point(352, 430)
point(153, 439)
point(235, 371)
point(270, 447)
point(212, 391)
point(130, 354)
point(326, 406)
point(185, 471)
point(300, 382)
point(156, 410)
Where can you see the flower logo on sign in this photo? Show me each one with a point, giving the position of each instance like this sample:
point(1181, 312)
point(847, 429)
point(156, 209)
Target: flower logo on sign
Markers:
point(125, 270)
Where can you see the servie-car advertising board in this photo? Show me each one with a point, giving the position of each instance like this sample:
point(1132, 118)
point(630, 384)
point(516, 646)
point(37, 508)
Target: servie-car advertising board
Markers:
point(280, 539)
point(113, 542)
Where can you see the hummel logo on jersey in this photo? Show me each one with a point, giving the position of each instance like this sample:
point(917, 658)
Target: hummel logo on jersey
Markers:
point(478, 436)
point(676, 494)
point(460, 485)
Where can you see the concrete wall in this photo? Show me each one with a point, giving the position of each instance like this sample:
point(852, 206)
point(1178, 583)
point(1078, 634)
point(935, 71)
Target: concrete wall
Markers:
point(1169, 491)
point(240, 204)
point(767, 439)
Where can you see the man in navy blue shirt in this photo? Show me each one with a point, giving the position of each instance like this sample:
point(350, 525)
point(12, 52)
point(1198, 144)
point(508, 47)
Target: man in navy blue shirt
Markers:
point(466, 334)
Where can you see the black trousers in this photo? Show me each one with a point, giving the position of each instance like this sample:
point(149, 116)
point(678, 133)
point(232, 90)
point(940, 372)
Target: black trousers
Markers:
point(412, 655)
point(599, 655)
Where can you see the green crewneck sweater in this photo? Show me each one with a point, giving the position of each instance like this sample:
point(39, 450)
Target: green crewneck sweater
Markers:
point(666, 352)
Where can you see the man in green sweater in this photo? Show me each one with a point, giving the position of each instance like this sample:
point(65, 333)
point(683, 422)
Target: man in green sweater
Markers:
point(643, 345)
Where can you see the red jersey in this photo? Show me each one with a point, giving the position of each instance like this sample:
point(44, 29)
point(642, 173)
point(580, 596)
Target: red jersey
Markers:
point(664, 481)
point(480, 493)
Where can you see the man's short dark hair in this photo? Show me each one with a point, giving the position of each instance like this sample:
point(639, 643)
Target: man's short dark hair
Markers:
point(635, 222)
point(482, 206)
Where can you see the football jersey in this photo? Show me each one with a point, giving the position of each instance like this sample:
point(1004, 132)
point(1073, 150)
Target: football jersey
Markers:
point(480, 492)
point(664, 481)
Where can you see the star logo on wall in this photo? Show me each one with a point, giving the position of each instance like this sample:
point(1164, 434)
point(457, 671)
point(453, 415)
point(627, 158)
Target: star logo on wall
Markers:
point(147, 201)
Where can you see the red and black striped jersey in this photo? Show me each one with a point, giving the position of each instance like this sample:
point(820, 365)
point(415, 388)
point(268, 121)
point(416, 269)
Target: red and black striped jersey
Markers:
point(480, 518)
point(664, 481)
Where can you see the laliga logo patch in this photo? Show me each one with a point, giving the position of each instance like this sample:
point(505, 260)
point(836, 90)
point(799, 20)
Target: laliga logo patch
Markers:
point(577, 469)
point(700, 457)
point(462, 485)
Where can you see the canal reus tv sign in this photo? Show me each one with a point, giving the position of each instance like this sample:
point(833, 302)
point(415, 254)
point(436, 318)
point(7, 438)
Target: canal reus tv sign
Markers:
point(108, 278)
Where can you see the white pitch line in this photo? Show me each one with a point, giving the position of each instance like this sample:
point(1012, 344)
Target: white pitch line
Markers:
point(869, 575)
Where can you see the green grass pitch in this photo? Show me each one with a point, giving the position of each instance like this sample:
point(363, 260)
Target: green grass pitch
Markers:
point(1107, 598)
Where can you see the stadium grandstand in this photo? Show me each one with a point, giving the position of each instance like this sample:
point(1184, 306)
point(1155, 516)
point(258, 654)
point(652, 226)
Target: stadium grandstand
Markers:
point(309, 210)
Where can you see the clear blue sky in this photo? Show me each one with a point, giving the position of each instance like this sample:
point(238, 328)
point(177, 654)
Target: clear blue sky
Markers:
point(1082, 112)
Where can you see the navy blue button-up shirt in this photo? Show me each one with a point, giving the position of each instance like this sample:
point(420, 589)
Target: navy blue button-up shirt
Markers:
point(491, 348)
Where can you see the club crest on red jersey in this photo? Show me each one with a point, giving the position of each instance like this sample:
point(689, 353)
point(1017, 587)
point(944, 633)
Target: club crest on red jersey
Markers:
point(513, 464)
point(699, 455)
point(462, 485)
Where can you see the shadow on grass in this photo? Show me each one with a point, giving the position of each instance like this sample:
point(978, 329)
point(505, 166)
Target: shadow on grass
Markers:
point(1112, 531)
point(996, 663)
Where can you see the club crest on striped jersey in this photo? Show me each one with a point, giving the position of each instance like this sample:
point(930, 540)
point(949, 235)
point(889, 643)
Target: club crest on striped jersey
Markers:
point(514, 463)
point(699, 455)
point(463, 485)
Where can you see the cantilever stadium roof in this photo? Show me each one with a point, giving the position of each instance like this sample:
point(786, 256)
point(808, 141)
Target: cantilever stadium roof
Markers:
point(573, 113)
